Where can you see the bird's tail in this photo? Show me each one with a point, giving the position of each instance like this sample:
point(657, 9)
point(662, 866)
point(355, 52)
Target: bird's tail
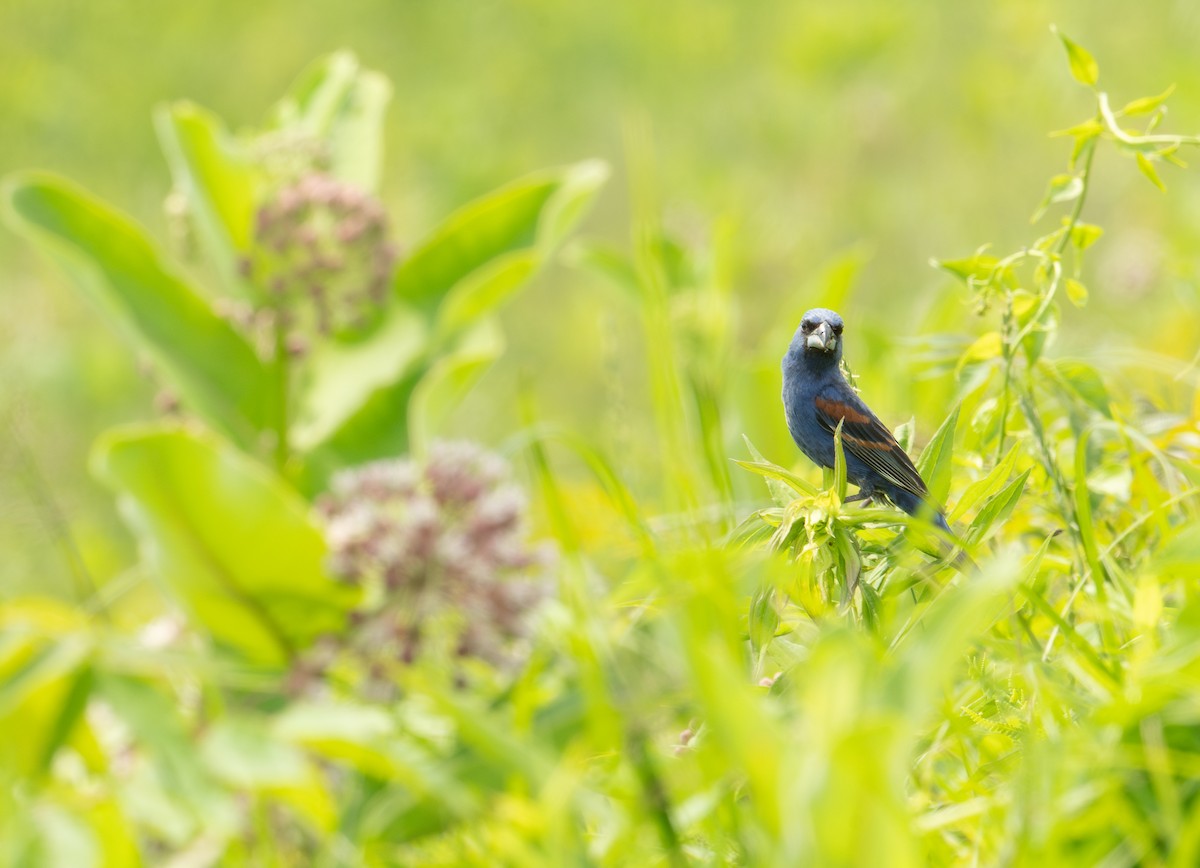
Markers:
point(916, 506)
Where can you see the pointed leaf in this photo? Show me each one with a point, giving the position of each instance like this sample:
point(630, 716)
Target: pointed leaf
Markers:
point(337, 101)
point(1083, 65)
point(1147, 104)
point(1149, 171)
point(937, 459)
point(219, 181)
point(490, 246)
point(228, 540)
point(445, 385)
point(117, 266)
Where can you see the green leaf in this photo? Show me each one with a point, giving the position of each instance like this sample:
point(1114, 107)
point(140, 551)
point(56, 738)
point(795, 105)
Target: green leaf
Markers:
point(1083, 65)
point(1149, 171)
point(1086, 382)
point(1083, 509)
point(984, 348)
point(937, 459)
point(45, 680)
point(783, 491)
point(762, 619)
point(112, 261)
point(986, 487)
point(839, 463)
point(219, 181)
point(774, 471)
point(1147, 104)
point(533, 213)
point(471, 264)
point(1062, 188)
point(228, 540)
point(342, 376)
point(970, 270)
point(485, 289)
point(338, 102)
point(1084, 235)
point(1076, 292)
point(446, 384)
point(997, 509)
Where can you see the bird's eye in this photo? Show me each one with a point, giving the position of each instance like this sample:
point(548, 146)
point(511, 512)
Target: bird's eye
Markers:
point(806, 326)
point(837, 329)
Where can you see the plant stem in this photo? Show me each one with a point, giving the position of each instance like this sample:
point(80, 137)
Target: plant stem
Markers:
point(1085, 177)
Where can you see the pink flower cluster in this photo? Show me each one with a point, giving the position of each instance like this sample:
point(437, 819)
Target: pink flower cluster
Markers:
point(427, 539)
point(322, 255)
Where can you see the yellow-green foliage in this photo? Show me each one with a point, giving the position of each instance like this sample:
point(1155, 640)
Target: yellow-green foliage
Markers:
point(729, 665)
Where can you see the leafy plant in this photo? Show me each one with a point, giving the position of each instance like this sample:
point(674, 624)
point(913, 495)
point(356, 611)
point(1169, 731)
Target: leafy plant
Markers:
point(285, 220)
point(349, 664)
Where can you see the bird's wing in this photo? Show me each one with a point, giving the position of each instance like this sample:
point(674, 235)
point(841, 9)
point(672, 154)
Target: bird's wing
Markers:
point(866, 438)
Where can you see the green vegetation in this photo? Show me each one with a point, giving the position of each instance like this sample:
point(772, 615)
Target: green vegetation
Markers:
point(649, 634)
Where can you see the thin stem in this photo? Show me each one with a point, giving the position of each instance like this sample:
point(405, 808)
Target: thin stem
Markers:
point(1110, 122)
point(1085, 177)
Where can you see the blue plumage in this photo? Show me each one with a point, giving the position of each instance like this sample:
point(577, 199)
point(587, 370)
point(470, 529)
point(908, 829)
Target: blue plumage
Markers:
point(816, 397)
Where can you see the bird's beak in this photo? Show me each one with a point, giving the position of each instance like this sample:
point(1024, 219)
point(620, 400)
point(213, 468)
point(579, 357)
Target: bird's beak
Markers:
point(822, 338)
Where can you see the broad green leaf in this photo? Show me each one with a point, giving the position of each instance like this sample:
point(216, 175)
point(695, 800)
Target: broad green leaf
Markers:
point(1083, 65)
point(1147, 104)
point(1149, 171)
point(219, 181)
point(336, 101)
point(116, 265)
point(532, 213)
point(480, 293)
point(937, 459)
point(517, 227)
point(485, 289)
point(227, 539)
point(341, 377)
point(377, 428)
point(445, 385)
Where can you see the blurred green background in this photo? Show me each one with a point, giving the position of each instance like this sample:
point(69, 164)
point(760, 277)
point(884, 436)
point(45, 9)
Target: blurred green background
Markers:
point(855, 139)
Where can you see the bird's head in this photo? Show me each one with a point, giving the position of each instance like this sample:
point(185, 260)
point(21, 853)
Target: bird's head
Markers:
point(819, 335)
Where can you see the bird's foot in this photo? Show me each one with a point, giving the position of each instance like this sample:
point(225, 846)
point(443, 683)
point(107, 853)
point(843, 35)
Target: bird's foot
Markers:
point(864, 496)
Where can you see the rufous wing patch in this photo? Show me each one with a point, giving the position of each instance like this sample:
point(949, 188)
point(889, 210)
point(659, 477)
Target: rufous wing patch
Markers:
point(838, 410)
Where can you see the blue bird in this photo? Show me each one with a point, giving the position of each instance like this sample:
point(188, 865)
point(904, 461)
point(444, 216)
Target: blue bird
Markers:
point(816, 397)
